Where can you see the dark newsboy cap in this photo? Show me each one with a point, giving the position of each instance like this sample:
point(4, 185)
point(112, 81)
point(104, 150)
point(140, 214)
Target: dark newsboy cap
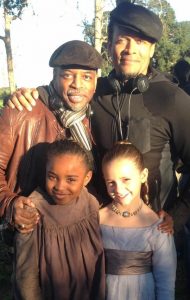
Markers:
point(138, 19)
point(76, 54)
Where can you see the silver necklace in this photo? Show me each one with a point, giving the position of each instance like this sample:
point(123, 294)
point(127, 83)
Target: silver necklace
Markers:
point(126, 214)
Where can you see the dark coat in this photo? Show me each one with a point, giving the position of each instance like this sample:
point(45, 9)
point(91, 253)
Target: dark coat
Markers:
point(157, 122)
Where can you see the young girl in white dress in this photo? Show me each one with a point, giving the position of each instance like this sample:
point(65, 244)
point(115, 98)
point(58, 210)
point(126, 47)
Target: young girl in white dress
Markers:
point(140, 259)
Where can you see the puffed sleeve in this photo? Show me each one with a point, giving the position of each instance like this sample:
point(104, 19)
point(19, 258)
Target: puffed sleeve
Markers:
point(164, 263)
point(26, 281)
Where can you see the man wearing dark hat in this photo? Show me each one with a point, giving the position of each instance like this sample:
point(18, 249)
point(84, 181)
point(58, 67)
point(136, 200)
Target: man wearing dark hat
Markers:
point(24, 135)
point(137, 103)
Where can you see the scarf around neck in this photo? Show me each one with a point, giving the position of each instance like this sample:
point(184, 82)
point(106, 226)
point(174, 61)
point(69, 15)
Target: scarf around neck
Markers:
point(75, 121)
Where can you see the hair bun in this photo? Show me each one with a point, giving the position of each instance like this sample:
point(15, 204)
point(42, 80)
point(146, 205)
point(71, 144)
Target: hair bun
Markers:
point(123, 142)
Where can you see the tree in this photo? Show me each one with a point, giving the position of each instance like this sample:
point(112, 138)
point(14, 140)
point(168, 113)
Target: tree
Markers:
point(12, 9)
point(98, 24)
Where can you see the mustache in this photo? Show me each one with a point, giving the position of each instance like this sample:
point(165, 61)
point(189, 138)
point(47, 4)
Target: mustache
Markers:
point(75, 91)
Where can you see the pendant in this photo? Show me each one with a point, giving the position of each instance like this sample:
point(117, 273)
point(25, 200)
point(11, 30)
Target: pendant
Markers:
point(126, 214)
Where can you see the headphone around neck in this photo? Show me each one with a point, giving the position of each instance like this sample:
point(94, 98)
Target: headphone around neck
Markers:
point(139, 84)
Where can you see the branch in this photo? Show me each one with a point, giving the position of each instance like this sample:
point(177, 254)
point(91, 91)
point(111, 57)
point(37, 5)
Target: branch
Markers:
point(2, 38)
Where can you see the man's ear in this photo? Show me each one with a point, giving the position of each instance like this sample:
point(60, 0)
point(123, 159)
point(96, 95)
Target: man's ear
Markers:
point(144, 175)
point(87, 178)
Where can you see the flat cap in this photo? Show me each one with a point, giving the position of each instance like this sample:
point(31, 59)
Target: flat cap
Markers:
point(138, 19)
point(76, 54)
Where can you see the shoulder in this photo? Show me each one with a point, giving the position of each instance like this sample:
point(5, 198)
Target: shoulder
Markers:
point(166, 88)
point(104, 214)
point(37, 197)
point(89, 200)
point(149, 216)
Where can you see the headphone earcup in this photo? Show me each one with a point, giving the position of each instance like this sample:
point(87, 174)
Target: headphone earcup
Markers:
point(140, 83)
point(114, 84)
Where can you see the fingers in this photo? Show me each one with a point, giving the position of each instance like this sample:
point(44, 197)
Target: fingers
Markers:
point(23, 98)
point(25, 215)
point(25, 221)
point(10, 104)
point(28, 203)
point(165, 228)
point(162, 214)
point(35, 95)
point(167, 225)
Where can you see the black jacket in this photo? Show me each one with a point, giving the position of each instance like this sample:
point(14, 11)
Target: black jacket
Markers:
point(157, 122)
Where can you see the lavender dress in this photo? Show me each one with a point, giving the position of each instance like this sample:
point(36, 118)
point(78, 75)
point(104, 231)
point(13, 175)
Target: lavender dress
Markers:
point(159, 282)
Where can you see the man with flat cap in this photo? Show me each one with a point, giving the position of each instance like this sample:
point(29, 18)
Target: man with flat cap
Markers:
point(24, 135)
point(137, 103)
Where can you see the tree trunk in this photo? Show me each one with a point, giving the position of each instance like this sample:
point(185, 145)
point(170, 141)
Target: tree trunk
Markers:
point(7, 41)
point(98, 26)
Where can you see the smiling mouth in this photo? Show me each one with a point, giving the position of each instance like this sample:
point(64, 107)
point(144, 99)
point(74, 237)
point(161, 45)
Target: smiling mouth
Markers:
point(75, 98)
point(128, 61)
point(60, 195)
point(122, 197)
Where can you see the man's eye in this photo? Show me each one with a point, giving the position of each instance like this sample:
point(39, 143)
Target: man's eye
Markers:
point(120, 41)
point(88, 77)
point(139, 41)
point(66, 75)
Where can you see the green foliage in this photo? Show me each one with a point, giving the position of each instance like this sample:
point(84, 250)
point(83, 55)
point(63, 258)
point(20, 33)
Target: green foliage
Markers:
point(14, 7)
point(4, 94)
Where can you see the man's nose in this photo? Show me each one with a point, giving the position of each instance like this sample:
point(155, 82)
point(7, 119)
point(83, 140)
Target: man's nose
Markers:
point(130, 47)
point(77, 82)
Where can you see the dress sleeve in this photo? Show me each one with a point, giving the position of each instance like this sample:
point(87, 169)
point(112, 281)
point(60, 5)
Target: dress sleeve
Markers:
point(26, 279)
point(164, 265)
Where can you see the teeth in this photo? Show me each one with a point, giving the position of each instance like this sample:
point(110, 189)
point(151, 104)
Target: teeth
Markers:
point(75, 96)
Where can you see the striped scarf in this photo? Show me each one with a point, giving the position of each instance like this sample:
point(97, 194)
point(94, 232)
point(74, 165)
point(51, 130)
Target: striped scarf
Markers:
point(75, 121)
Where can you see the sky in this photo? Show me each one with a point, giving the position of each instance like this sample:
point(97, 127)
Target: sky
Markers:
point(43, 29)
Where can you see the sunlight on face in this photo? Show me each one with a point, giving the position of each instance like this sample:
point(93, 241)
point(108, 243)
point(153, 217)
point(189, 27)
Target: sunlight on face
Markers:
point(75, 86)
point(66, 175)
point(123, 180)
point(131, 54)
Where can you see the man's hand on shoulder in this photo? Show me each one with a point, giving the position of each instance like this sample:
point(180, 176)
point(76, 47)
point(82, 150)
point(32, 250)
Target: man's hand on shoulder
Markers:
point(167, 224)
point(23, 98)
point(25, 215)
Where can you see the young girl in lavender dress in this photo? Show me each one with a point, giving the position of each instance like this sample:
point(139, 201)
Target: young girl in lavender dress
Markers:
point(140, 259)
point(62, 259)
